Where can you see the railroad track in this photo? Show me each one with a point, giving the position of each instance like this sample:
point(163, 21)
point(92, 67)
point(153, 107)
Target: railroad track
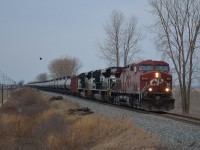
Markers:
point(182, 118)
point(177, 117)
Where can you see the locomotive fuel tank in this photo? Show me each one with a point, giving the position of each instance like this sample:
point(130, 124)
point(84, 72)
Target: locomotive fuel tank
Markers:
point(82, 94)
point(98, 97)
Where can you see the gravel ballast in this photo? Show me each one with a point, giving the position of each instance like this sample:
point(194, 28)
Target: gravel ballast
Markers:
point(177, 135)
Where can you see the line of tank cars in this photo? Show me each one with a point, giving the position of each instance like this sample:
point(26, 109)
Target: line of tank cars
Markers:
point(145, 85)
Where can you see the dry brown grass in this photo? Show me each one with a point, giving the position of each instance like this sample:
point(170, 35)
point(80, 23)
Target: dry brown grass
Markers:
point(194, 102)
point(25, 101)
point(132, 139)
point(48, 126)
point(91, 129)
point(55, 141)
point(46, 114)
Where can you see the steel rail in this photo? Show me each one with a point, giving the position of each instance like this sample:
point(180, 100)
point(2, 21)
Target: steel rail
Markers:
point(177, 117)
point(183, 118)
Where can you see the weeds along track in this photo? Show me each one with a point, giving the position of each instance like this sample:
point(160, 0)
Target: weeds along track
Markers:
point(177, 117)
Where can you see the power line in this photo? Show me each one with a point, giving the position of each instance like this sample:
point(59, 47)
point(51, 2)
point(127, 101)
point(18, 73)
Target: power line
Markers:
point(6, 80)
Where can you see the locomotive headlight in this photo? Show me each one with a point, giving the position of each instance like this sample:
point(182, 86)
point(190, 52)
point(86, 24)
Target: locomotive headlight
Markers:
point(167, 89)
point(150, 89)
point(157, 75)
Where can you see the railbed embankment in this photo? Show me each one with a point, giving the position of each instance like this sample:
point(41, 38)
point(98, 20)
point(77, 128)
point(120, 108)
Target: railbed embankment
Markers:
point(176, 134)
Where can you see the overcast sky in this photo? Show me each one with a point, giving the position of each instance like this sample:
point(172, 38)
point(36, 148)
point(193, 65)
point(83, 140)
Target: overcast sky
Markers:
point(30, 29)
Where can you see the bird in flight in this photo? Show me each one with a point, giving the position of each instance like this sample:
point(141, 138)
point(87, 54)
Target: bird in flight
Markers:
point(40, 58)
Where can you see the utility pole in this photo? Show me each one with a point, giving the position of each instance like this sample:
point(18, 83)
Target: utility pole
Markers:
point(2, 95)
point(1, 89)
point(6, 83)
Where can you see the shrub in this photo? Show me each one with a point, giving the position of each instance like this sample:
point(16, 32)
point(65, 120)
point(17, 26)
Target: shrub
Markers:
point(25, 101)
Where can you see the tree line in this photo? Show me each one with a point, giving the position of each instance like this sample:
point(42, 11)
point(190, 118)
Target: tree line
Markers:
point(177, 38)
point(61, 67)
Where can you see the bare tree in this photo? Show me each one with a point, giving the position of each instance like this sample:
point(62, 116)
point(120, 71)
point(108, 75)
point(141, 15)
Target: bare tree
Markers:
point(42, 77)
point(130, 38)
point(64, 66)
point(110, 49)
point(122, 38)
point(178, 31)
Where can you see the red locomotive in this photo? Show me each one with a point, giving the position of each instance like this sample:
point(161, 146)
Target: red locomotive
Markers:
point(148, 85)
point(145, 85)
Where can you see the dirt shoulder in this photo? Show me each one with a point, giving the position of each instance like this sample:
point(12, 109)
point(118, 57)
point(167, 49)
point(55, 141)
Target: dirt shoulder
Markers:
point(31, 119)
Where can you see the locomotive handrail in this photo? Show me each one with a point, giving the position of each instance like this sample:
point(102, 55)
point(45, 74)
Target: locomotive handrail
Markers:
point(142, 91)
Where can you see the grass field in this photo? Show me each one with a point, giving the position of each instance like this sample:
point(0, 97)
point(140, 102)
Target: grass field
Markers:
point(29, 121)
point(194, 103)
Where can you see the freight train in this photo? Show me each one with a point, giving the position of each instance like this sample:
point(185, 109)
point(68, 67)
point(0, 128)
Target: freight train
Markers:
point(145, 85)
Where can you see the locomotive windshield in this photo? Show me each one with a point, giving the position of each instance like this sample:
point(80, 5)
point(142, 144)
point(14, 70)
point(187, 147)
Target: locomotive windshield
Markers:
point(146, 67)
point(162, 68)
